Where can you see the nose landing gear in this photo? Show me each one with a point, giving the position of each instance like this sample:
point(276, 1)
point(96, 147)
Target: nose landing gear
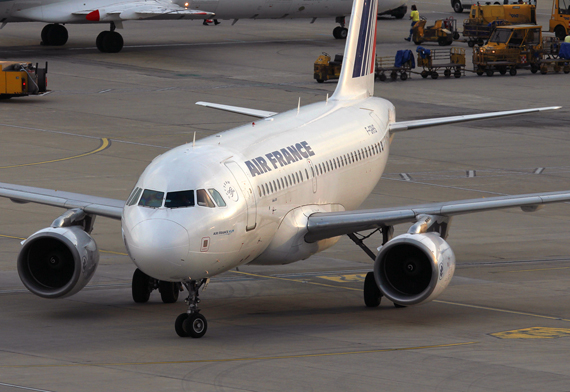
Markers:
point(340, 32)
point(192, 323)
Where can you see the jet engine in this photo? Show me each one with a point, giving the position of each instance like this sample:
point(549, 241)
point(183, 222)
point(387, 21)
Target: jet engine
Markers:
point(57, 262)
point(414, 268)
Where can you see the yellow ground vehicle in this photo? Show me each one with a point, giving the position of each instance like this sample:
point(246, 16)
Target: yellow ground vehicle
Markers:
point(559, 22)
point(444, 31)
point(518, 46)
point(20, 78)
point(325, 69)
point(484, 18)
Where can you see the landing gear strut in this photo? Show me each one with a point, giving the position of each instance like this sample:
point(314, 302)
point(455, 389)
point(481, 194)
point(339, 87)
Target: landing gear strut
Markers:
point(192, 323)
point(340, 32)
point(109, 41)
point(54, 35)
point(143, 285)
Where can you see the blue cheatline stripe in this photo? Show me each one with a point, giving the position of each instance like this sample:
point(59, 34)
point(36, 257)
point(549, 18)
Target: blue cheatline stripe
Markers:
point(365, 70)
point(361, 47)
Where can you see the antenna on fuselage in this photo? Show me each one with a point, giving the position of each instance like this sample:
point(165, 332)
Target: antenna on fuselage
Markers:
point(299, 106)
point(194, 140)
point(327, 100)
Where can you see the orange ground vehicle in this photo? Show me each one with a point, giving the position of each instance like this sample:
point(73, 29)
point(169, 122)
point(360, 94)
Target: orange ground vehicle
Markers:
point(559, 22)
point(20, 78)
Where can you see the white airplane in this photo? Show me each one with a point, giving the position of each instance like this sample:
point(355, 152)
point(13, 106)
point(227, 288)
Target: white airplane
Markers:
point(273, 191)
point(60, 12)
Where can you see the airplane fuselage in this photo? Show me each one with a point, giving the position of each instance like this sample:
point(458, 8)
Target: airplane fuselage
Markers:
point(272, 174)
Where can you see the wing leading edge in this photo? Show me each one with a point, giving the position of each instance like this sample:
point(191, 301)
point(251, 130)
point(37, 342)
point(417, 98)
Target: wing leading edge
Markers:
point(324, 225)
point(110, 208)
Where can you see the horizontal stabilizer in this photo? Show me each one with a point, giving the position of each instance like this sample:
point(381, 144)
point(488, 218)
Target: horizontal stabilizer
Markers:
point(237, 109)
point(415, 124)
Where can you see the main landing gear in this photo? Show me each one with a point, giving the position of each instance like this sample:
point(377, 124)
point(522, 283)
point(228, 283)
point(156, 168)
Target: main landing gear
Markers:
point(143, 285)
point(340, 32)
point(192, 323)
point(54, 34)
point(109, 41)
point(372, 293)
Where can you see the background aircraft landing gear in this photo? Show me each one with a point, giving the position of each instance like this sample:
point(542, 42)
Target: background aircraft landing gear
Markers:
point(340, 32)
point(192, 323)
point(143, 285)
point(109, 41)
point(54, 35)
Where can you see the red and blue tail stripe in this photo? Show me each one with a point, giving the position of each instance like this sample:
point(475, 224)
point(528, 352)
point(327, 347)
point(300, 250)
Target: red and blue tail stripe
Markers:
point(366, 47)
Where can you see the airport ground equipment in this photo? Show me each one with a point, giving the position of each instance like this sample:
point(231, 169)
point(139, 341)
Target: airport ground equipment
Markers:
point(444, 31)
point(400, 65)
point(559, 23)
point(460, 5)
point(484, 18)
point(325, 69)
point(21, 78)
point(518, 46)
point(450, 61)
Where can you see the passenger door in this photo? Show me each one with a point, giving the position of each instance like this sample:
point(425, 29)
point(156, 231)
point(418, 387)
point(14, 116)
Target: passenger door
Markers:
point(247, 192)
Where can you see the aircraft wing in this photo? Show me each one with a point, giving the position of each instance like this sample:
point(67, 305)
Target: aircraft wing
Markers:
point(110, 208)
point(324, 225)
point(415, 124)
point(237, 109)
point(135, 10)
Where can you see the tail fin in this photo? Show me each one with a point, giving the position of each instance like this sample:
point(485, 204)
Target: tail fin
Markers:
point(357, 74)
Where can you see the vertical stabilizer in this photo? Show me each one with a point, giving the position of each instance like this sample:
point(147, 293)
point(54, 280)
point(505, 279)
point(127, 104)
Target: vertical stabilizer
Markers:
point(357, 74)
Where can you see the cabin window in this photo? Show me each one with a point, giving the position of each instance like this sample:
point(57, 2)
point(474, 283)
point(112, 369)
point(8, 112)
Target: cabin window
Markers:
point(297, 175)
point(203, 199)
point(290, 182)
point(218, 198)
point(307, 173)
point(179, 199)
point(267, 188)
point(151, 198)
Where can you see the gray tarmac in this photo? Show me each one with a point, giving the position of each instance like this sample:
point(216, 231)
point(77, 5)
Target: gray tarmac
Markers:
point(502, 325)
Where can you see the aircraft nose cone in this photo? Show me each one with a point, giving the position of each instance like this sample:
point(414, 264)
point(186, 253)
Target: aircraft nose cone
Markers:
point(159, 247)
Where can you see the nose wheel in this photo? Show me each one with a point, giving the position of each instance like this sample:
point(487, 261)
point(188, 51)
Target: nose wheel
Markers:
point(192, 323)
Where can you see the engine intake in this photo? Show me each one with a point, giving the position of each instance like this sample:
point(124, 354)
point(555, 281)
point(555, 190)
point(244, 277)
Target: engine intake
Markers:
point(58, 262)
point(414, 268)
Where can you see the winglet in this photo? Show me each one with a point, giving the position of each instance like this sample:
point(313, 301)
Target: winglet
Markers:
point(357, 74)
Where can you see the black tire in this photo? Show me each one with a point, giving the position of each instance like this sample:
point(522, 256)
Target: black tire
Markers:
point(57, 35)
point(456, 36)
point(566, 69)
point(489, 72)
point(320, 81)
point(141, 287)
point(447, 73)
point(394, 75)
point(382, 77)
point(457, 74)
point(112, 42)
point(480, 71)
point(343, 33)
point(403, 76)
point(372, 294)
point(480, 42)
point(169, 291)
point(503, 70)
point(424, 74)
point(418, 42)
point(336, 32)
point(471, 43)
point(434, 75)
point(45, 34)
point(195, 325)
point(100, 39)
point(560, 32)
point(179, 325)
point(513, 71)
point(533, 68)
point(457, 7)
point(442, 41)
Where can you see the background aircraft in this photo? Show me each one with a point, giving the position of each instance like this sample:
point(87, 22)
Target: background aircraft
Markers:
point(60, 12)
point(271, 192)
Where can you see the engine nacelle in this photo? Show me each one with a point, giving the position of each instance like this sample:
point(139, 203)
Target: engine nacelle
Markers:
point(414, 268)
point(58, 262)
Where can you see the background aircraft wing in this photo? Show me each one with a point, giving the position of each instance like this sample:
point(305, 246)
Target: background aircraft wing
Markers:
point(110, 208)
point(430, 122)
point(134, 10)
point(324, 225)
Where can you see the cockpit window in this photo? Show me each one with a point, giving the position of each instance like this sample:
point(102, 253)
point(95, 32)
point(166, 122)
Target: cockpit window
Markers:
point(134, 196)
point(179, 199)
point(204, 199)
point(151, 198)
point(217, 197)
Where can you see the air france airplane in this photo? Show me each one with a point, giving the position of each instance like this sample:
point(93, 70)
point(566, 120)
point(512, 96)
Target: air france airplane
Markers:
point(271, 192)
point(60, 12)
